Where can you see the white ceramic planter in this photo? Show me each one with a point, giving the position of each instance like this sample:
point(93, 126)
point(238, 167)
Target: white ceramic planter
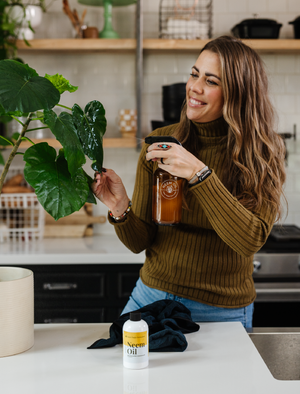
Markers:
point(33, 13)
point(16, 310)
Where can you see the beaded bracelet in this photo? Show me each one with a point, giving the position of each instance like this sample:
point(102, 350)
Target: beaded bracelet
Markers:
point(117, 218)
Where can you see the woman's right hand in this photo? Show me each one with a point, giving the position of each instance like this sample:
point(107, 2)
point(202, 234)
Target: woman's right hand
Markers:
point(109, 189)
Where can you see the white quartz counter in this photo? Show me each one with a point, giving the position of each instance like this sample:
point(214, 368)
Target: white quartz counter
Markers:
point(220, 358)
point(100, 249)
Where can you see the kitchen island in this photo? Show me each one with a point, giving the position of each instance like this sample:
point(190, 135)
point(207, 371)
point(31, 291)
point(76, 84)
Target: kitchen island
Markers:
point(220, 358)
point(98, 249)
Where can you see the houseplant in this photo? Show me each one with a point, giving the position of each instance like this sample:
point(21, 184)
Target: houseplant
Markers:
point(60, 183)
point(11, 22)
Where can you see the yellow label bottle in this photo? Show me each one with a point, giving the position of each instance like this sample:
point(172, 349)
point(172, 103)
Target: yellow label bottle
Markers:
point(135, 342)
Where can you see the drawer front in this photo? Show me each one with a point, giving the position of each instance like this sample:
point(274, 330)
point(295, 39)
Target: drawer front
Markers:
point(69, 315)
point(70, 284)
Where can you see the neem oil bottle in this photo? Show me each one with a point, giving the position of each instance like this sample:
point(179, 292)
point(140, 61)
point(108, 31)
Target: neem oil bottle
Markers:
point(135, 342)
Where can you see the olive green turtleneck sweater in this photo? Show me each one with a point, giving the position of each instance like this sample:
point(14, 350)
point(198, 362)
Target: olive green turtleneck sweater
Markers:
point(208, 257)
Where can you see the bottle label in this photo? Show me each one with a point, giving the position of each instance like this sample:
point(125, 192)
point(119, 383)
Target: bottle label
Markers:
point(135, 346)
point(169, 189)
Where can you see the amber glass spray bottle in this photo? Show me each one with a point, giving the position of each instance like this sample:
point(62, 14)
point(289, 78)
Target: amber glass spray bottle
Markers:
point(166, 192)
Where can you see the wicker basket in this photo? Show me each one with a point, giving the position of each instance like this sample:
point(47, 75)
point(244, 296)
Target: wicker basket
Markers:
point(185, 19)
point(21, 214)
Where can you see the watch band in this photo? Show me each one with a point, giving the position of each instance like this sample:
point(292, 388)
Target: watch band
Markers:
point(197, 175)
point(201, 178)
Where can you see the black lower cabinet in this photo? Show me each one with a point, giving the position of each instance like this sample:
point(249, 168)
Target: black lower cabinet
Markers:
point(82, 293)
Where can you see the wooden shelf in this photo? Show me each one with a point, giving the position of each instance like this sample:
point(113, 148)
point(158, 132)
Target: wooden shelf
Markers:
point(265, 46)
point(77, 45)
point(282, 46)
point(107, 143)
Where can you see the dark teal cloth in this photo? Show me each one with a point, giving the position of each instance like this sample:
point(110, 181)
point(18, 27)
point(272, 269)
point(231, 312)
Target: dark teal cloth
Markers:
point(168, 321)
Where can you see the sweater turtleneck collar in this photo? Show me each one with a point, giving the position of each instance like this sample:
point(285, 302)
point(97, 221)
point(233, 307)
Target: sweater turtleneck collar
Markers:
point(212, 130)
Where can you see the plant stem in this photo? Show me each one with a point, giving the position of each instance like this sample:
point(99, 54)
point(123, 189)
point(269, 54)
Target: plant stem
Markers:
point(14, 151)
point(37, 128)
point(18, 120)
point(63, 106)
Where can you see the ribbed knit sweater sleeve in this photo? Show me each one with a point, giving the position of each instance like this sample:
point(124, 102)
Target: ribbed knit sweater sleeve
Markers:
point(239, 228)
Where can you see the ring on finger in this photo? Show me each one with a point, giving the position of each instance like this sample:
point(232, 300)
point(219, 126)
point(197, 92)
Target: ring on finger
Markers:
point(164, 146)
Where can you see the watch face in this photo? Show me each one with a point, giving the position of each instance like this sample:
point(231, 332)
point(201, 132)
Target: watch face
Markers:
point(205, 175)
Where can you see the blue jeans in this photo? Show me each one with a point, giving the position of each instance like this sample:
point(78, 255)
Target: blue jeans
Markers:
point(143, 295)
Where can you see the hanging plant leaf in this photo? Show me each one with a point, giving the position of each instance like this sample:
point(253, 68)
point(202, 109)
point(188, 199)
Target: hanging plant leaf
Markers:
point(22, 89)
point(61, 83)
point(64, 130)
point(2, 162)
point(58, 192)
point(91, 127)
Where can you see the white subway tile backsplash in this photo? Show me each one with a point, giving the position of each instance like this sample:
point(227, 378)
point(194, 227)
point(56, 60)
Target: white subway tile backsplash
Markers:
point(285, 104)
point(277, 84)
point(237, 6)
point(293, 203)
point(257, 6)
point(185, 62)
point(286, 64)
point(296, 220)
point(293, 83)
point(224, 23)
point(270, 63)
point(220, 6)
point(289, 186)
point(166, 63)
point(298, 107)
point(293, 6)
point(279, 6)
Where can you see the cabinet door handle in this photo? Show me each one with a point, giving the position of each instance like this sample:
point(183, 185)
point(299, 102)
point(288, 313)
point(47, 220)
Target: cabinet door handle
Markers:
point(59, 286)
point(60, 320)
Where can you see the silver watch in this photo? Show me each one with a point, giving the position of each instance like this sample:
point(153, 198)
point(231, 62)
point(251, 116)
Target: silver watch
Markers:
point(197, 175)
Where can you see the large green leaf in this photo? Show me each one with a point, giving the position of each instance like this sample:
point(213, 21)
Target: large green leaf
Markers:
point(91, 127)
point(61, 83)
point(59, 193)
point(22, 89)
point(64, 130)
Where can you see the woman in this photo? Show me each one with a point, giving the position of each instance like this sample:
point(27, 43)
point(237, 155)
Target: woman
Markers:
point(227, 125)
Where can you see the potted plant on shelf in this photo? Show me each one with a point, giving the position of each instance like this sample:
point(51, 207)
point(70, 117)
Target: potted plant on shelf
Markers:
point(16, 22)
point(16, 18)
point(58, 179)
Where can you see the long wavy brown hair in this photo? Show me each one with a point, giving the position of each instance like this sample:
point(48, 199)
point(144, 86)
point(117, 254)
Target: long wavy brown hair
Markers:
point(255, 168)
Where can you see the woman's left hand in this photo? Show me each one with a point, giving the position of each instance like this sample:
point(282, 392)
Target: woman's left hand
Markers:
point(176, 159)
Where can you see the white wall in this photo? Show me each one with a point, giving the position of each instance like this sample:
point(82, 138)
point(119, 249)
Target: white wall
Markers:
point(110, 78)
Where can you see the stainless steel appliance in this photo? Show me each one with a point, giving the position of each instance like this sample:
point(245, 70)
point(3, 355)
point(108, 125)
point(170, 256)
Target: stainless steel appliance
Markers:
point(277, 279)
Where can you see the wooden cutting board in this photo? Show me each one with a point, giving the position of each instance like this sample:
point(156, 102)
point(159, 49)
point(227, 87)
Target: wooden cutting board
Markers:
point(76, 225)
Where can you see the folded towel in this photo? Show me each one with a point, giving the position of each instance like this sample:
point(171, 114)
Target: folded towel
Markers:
point(168, 321)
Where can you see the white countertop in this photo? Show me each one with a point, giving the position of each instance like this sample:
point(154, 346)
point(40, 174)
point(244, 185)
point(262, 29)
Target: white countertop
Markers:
point(100, 249)
point(220, 358)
